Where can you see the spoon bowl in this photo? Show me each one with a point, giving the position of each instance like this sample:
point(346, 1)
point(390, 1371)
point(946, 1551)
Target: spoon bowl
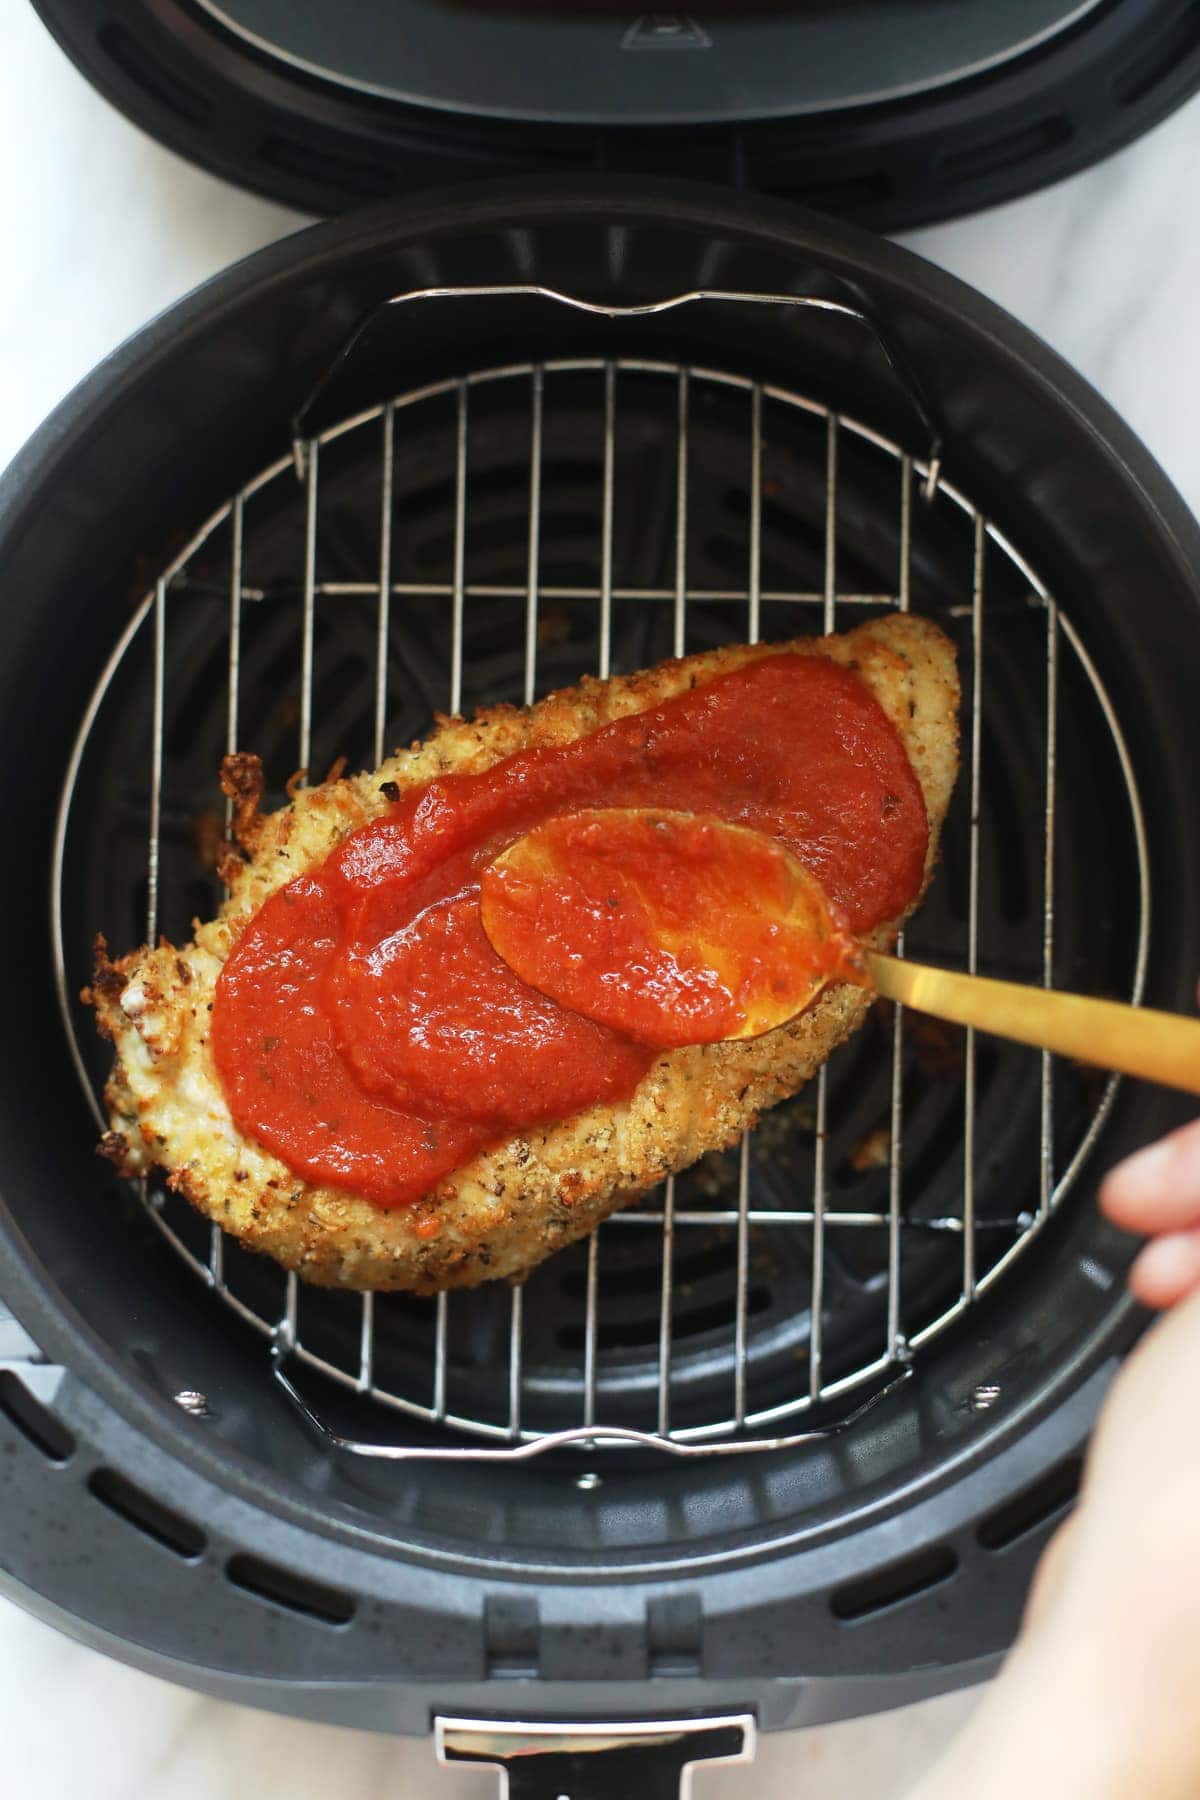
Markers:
point(679, 928)
point(672, 927)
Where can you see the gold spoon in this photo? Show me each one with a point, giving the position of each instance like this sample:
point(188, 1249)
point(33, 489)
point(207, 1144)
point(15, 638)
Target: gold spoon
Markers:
point(680, 928)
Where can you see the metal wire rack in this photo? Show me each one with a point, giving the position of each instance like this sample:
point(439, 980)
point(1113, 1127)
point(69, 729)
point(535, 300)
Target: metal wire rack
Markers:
point(589, 1389)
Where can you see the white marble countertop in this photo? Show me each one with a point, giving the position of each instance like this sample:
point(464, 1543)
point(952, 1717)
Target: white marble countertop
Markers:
point(102, 229)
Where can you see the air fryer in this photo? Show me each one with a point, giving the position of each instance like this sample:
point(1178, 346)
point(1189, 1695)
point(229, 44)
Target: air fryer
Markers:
point(782, 1443)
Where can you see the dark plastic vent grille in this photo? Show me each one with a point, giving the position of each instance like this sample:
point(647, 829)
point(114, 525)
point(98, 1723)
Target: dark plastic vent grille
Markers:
point(283, 1587)
point(1157, 60)
point(352, 175)
point(1032, 1507)
point(33, 1420)
point(139, 63)
point(900, 1581)
point(146, 1514)
point(1007, 152)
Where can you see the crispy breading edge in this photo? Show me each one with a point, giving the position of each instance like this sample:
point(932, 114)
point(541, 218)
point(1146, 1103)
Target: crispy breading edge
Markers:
point(518, 1201)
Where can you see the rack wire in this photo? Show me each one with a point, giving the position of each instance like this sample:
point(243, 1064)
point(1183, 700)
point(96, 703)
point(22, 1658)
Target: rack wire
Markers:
point(918, 488)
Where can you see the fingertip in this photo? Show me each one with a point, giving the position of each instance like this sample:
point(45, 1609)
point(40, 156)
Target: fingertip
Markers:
point(1167, 1270)
point(1158, 1188)
point(1136, 1185)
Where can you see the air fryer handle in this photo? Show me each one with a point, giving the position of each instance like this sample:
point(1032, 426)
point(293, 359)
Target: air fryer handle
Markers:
point(649, 1759)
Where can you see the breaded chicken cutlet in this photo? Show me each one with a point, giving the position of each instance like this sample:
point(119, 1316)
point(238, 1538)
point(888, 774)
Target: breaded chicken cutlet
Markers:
point(516, 1201)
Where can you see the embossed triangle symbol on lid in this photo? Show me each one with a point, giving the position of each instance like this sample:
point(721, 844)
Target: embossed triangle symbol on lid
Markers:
point(666, 31)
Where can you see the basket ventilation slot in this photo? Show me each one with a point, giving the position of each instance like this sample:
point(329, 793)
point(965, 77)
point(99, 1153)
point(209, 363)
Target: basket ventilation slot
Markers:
point(900, 1581)
point(1032, 1507)
point(855, 193)
point(146, 1514)
point(283, 1587)
point(1007, 152)
point(33, 1421)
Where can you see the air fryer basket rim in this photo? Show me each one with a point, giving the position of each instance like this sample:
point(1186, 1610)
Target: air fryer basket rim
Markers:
point(845, 252)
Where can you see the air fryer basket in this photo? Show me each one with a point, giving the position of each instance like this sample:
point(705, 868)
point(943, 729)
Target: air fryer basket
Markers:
point(480, 540)
point(498, 493)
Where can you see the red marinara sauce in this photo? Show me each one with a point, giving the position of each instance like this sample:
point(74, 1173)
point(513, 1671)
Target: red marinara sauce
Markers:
point(673, 928)
point(366, 1032)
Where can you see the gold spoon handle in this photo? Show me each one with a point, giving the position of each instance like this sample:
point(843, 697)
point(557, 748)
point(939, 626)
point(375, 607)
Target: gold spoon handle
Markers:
point(1158, 1046)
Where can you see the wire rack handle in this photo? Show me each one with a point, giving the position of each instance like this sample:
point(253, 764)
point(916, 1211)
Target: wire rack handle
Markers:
point(895, 357)
point(579, 1437)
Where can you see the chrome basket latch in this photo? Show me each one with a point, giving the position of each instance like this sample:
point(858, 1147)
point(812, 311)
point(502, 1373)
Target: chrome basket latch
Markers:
point(652, 1758)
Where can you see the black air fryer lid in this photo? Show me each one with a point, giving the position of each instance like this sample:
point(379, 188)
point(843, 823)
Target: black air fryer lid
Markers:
point(891, 112)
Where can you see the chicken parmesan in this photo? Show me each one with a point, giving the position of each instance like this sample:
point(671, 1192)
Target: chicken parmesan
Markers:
point(340, 1071)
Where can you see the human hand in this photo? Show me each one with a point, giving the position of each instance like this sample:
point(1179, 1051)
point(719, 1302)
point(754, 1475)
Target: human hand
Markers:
point(1157, 1194)
point(1097, 1700)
